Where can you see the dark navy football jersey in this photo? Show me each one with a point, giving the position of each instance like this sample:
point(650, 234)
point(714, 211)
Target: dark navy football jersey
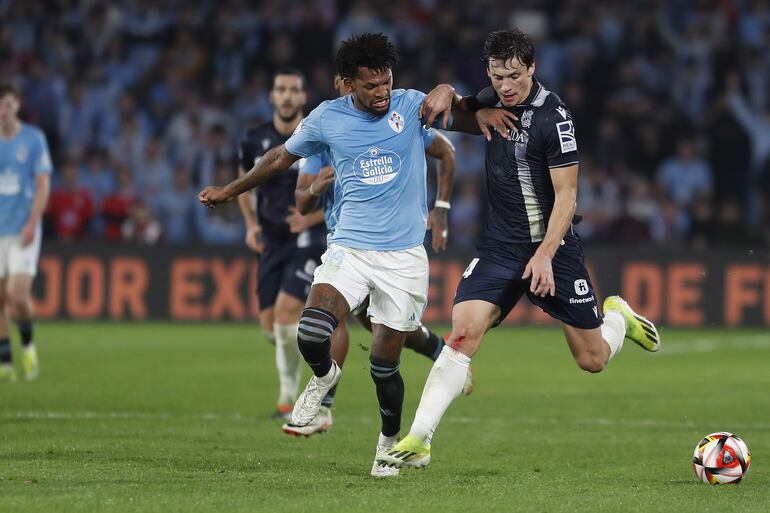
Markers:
point(275, 196)
point(521, 194)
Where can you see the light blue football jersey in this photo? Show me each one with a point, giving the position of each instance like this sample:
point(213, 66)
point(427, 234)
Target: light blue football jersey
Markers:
point(22, 158)
point(312, 166)
point(379, 166)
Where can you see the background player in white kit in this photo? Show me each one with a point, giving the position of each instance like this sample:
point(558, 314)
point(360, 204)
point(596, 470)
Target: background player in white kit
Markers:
point(25, 171)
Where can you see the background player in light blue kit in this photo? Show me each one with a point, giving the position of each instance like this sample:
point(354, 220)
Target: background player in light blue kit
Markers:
point(316, 181)
point(25, 170)
point(374, 138)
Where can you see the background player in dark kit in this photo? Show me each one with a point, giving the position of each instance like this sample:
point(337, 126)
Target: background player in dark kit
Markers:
point(289, 245)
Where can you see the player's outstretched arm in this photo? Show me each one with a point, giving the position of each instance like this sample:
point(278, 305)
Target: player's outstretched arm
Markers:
point(248, 205)
point(439, 102)
point(275, 161)
point(443, 150)
point(444, 101)
point(467, 113)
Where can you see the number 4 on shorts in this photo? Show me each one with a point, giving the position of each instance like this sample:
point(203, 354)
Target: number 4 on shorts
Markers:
point(471, 267)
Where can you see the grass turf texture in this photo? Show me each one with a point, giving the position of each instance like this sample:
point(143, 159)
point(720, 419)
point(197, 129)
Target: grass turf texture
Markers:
point(161, 417)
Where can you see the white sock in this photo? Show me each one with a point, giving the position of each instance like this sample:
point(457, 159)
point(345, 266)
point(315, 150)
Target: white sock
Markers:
point(387, 441)
point(445, 382)
point(614, 331)
point(288, 360)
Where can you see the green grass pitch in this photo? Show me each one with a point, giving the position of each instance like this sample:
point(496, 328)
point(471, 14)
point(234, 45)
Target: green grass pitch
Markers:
point(161, 417)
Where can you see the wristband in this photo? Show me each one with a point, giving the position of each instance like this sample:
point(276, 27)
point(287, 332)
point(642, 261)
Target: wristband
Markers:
point(442, 204)
point(312, 192)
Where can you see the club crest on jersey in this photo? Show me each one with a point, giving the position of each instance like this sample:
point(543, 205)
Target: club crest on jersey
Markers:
point(376, 166)
point(526, 119)
point(396, 122)
point(265, 144)
point(22, 152)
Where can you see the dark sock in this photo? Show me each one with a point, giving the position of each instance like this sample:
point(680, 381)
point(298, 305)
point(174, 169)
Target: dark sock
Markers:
point(25, 330)
point(425, 342)
point(328, 399)
point(390, 393)
point(5, 350)
point(314, 339)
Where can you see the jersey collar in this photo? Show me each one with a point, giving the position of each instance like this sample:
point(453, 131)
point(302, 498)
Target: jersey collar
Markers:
point(365, 115)
point(536, 88)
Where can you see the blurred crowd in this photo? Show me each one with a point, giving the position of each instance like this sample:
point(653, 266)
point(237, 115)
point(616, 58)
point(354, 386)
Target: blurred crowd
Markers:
point(144, 101)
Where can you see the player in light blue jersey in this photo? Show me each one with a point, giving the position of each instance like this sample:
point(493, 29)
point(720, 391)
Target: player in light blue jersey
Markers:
point(374, 139)
point(25, 170)
point(316, 182)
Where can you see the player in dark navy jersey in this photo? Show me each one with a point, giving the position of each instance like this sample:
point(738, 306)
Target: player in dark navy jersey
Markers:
point(529, 245)
point(289, 245)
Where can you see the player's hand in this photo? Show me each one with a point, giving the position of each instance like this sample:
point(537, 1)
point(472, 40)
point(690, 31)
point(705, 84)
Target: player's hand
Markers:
point(499, 120)
point(437, 223)
point(324, 179)
point(540, 269)
point(254, 238)
point(437, 102)
point(28, 234)
point(211, 196)
point(296, 221)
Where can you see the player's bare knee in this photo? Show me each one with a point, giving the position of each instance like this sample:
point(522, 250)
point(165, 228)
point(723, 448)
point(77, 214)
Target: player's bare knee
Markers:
point(18, 300)
point(590, 362)
point(287, 316)
point(465, 338)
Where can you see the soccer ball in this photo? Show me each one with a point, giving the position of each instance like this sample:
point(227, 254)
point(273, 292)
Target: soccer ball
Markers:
point(721, 458)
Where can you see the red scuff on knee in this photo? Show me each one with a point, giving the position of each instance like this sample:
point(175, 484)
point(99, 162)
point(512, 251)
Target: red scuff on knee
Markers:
point(457, 343)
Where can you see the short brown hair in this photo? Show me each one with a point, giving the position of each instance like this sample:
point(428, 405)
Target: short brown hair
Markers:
point(509, 44)
point(9, 88)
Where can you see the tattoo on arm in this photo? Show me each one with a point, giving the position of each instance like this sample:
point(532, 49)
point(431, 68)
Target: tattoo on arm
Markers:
point(275, 161)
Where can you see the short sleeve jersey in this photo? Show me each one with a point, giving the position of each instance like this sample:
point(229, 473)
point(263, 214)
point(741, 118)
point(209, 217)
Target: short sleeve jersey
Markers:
point(379, 166)
point(313, 165)
point(276, 196)
point(22, 159)
point(521, 193)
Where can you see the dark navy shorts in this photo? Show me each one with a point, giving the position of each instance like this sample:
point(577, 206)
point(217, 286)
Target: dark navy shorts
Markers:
point(495, 276)
point(284, 267)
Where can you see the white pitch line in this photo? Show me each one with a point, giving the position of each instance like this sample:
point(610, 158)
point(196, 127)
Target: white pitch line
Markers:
point(535, 421)
point(710, 345)
point(117, 415)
